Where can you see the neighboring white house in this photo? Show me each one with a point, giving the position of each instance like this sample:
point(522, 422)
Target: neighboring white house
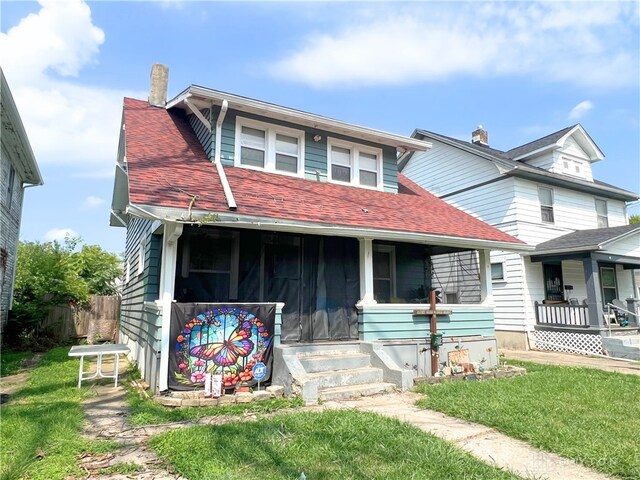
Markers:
point(543, 193)
point(19, 169)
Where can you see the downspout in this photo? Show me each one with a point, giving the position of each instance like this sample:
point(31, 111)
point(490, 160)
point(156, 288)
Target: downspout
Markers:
point(223, 177)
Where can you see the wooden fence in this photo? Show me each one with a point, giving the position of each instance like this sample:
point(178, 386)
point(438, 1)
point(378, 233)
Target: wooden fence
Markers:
point(97, 323)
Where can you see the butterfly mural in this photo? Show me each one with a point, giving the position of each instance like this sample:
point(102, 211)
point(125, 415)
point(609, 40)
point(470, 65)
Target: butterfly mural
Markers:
point(226, 353)
point(225, 340)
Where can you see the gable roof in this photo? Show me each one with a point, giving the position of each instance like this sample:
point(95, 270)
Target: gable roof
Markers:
point(168, 168)
point(586, 240)
point(556, 139)
point(202, 97)
point(512, 167)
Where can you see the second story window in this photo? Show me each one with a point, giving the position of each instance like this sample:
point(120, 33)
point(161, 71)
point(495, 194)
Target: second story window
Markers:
point(269, 147)
point(355, 164)
point(545, 196)
point(601, 211)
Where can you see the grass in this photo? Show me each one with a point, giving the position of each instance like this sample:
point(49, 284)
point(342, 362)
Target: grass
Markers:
point(144, 411)
point(11, 362)
point(584, 414)
point(41, 425)
point(334, 444)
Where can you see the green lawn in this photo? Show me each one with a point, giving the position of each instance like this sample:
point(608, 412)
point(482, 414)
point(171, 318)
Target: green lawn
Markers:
point(10, 362)
point(334, 444)
point(584, 414)
point(148, 412)
point(41, 425)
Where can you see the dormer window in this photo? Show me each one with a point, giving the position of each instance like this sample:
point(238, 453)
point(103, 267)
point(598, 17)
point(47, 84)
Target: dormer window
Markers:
point(355, 164)
point(269, 147)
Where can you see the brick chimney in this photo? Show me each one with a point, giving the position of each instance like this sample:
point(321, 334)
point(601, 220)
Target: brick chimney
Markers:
point(159, 83)
point(480, 137)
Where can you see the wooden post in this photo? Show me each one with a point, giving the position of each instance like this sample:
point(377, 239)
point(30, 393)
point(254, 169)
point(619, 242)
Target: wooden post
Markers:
point(433, 328)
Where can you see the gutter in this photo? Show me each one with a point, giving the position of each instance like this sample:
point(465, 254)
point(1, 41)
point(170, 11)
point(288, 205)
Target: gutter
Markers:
point(285, 225)
point(228, 194)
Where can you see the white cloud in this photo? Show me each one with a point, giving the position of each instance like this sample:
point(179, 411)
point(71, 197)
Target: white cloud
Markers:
point(580, 110)
point(59, 234)
point(66, 123)
point(92, 202)
point(594, 46)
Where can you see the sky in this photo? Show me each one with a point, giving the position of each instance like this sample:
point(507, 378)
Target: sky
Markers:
point(522, 70)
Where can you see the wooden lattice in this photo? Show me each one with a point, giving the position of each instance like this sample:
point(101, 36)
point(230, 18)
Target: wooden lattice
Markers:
point(570, 342)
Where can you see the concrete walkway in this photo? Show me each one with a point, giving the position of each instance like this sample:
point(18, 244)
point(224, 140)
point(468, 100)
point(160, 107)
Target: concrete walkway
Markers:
point(572, 360)
point(483, 442)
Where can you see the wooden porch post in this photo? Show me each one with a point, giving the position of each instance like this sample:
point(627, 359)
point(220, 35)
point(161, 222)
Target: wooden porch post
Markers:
point(486, 287)
point(366, 272)
point(594, 297)
point(172, 232)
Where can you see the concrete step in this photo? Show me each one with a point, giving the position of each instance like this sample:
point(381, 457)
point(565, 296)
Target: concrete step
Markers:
point(352, 376)
point(354, 391)
point(343, 361)
point(302, 350)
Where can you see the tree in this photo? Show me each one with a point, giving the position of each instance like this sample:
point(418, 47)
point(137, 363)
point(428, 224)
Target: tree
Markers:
point(634, 219)
point(51, 273)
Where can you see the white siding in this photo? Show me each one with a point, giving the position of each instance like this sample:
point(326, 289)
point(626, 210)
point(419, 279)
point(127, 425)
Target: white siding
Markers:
point(545, 161)
point(510, 312)
point(573, 274)
point(493, 203)
point(572, 211)
point(625, 283)
point(444, 169)
point(629, 246)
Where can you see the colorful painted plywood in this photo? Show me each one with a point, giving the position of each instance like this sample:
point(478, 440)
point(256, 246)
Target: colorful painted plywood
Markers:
point(227, 340)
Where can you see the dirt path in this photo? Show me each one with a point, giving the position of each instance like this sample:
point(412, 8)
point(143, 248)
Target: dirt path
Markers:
point(572, 360)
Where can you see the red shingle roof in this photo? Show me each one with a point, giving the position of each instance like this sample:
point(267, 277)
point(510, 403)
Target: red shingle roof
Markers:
point(167, 165)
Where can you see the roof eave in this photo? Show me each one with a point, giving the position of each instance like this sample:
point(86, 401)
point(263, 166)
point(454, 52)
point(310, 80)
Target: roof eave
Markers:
point(574, 184)
point(31, 175)
point(226, 219)
point(270, 110)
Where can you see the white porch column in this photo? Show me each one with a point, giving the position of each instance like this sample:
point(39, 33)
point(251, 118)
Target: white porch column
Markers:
point(486, 287)
point(172, 232)
point(366, 272)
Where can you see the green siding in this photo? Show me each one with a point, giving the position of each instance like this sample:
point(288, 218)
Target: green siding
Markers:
point(389, 170)
point(139, 324)
point(204, 135)
point(402, 324)
point(315, 161)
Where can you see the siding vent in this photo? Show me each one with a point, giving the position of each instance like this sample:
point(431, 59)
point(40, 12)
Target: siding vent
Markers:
point(480, 137)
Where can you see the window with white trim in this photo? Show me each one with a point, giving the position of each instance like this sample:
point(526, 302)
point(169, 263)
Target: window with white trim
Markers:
point(354, 164)
point(497, 272)
point(545, 195)
point(601, 212)
point(269, 147)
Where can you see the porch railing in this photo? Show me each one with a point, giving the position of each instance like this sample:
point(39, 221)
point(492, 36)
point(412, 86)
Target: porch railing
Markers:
point(562, 314)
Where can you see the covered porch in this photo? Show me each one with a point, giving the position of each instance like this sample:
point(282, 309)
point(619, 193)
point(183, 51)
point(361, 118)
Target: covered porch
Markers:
point(337, 289)
point(588, 288)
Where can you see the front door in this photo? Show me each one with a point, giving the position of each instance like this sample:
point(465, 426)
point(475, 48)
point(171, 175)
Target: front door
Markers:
point(553, 288)
point(282, 282)
point(608, 283)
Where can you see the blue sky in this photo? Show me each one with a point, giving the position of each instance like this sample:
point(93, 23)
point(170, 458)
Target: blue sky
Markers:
point(522, 70)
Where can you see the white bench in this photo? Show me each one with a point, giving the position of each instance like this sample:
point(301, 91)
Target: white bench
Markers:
point(99, 351)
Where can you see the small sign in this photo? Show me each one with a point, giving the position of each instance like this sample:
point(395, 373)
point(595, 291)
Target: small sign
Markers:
point(430, 312)
point(259, 371)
